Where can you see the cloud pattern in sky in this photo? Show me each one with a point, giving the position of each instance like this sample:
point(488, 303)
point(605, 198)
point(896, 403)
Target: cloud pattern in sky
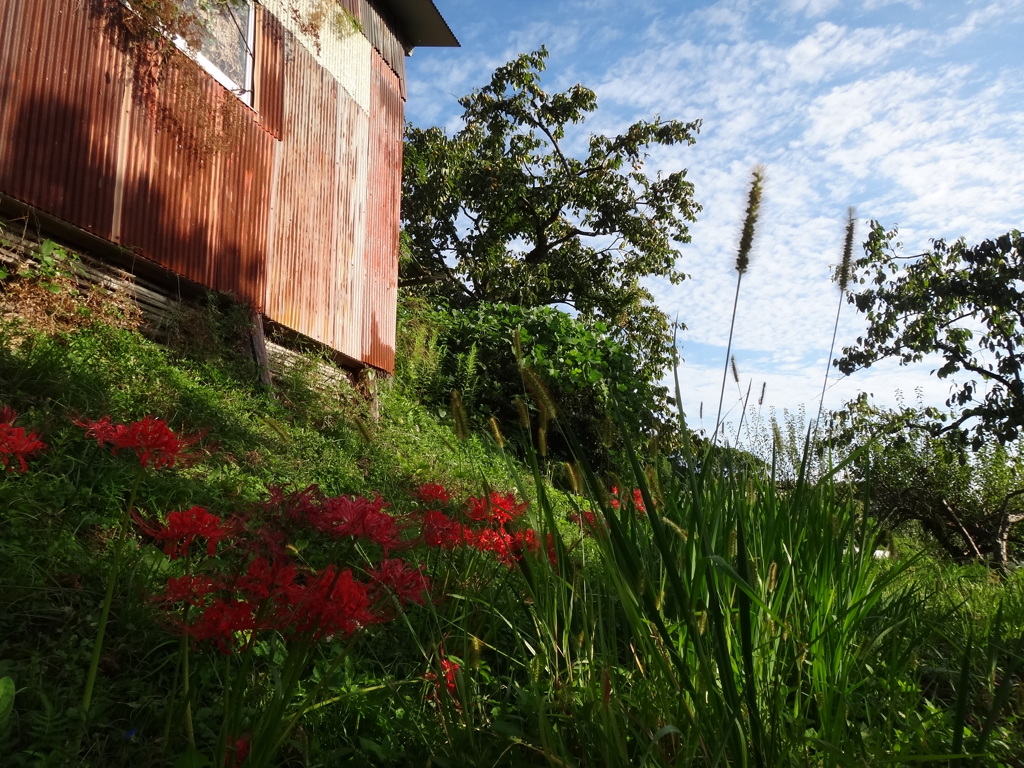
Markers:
point(911, 111)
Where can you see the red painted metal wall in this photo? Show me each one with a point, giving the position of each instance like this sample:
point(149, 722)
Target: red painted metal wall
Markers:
point(58, 114)
point(291, 206)
point(384, 199)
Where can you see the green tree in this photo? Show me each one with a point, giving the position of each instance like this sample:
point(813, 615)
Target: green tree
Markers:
point(505, 211)
point(965, 303)
point(970, 503)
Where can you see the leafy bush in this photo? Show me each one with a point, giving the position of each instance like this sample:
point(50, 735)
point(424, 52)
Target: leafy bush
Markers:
point(496, 354)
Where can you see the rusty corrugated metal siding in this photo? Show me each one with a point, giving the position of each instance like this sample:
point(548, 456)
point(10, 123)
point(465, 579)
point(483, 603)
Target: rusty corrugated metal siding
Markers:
point(382, 37)
point(197, 178)
point(292, 207)
point(350, 227)
point(299, 275)
point(383, 201)
point(268, 96)
point(58, 116)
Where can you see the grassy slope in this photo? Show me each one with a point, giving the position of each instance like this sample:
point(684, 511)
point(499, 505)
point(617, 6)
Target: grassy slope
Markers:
point(639, 649)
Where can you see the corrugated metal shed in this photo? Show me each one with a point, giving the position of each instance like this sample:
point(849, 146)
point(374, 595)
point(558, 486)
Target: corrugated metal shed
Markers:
point(292, 206)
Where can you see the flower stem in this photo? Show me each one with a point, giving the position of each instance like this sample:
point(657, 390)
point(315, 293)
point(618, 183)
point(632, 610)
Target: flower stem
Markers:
point(108, 599)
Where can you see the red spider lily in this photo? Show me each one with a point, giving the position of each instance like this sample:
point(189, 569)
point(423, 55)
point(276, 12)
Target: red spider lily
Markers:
point(358, 517)
point(8, 415)
point(433, 494)
point(192, 590)
point(185, 527)
point(552, 551)
point(263, 579)
point(339, 516)
point(638, 500)
point(16, 444)
point(507, 547)
point(152, 440)
point(408, 584)
point(439, 530)
point(331, 603)
point(496, 508)
point(498, 541)
point(614, 501)
point(237, 752)
point(221, 621)
point(589, 522)
point(450, 676)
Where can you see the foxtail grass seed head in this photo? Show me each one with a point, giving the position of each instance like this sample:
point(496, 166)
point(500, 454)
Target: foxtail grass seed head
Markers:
point(499, 438)
point(843, 276)
point(773, 574)
point(777, 436)
point(735, 370)
point(523, 411)
point(542, 440)
point(750, 219)
point(764, 386)
point(541, 395)
point(459, 416)
point(572, 475)
point(476, 646)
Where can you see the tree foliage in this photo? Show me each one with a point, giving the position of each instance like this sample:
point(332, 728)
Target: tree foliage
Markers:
point(494, 355)
point(963, 302)
point(970, 503)
point(505, 211)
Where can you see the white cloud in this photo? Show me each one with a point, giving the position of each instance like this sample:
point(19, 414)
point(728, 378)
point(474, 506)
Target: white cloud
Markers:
point(834, 50)
point(810, 7)
point(984, 17)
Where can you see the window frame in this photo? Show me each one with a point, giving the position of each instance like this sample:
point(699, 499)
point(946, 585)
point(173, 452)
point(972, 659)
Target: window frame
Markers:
point(242, 91)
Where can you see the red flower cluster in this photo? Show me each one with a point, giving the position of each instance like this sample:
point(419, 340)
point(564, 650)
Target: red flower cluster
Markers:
point(495, 512)
point(331, 603)
point(275, 597)
point(449, 673)
point(274, 593)
point(433, 494)
point(638, 500)
point(153, 441)
point(338, 516)
point(589, 521)
point(237, 751)
point(497, 509)
point(407, 584)
point(191, 590)
point(15, 443)
point(183, 528)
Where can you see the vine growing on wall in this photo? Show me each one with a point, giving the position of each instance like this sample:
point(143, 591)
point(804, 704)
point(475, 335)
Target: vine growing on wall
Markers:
point(149, 33)
point(146, 31)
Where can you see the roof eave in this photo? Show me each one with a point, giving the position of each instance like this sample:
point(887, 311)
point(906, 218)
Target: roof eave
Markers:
point(419, 23)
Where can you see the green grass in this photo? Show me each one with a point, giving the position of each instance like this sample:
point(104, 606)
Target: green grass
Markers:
point(734, 621)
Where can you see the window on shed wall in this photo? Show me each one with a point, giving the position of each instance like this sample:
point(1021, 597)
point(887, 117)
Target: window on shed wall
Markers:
point(226, 51)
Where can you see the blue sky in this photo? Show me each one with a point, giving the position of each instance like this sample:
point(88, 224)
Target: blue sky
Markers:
point(910, 110)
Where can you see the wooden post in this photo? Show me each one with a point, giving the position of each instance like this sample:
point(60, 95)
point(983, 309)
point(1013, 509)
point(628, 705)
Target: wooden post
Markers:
point(259, 348)
point(368, 380)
